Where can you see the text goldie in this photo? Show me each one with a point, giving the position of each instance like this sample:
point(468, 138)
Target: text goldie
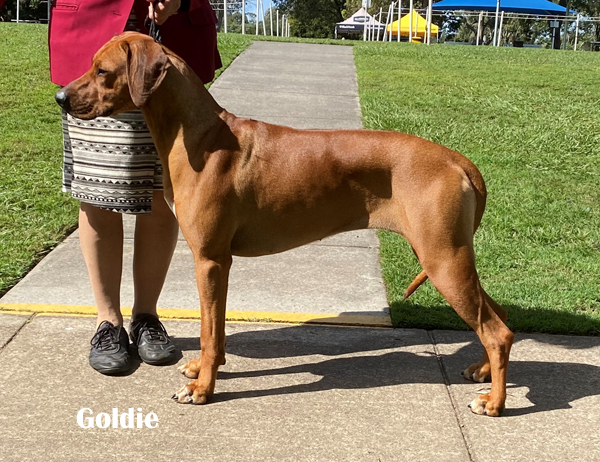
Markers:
point(85, 419)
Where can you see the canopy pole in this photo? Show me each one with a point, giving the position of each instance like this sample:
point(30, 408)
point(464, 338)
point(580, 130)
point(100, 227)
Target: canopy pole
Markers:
point(496, 22)
point(416, 24)
point(410, 21)
point(373, 29)
point(257, 17)
point(565, 26)
point(243, 17)
point(365, 24)
point(399, 17)
point(479, 28)
point(430, 10)
point(271, 17)
point(278, 24)
point(387, 20)
point(373, 33)
point(500, 29)
point(576, 33)
point(262, 9)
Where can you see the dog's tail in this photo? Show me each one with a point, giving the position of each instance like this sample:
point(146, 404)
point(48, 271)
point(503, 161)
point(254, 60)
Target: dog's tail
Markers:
point(420, 279)
point(480, 196)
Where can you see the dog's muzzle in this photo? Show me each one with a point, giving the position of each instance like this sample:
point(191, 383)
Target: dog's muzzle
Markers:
point(62, 99)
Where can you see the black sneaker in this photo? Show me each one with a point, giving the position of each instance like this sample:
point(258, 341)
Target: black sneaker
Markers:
point(151, 338)
point(109, 352)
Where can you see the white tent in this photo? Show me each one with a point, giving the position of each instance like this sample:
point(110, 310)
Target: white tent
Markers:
point(355, 24)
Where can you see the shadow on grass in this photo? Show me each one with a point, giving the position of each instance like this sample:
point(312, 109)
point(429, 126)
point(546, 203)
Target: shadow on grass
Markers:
point(527, 320)
point(350, 363)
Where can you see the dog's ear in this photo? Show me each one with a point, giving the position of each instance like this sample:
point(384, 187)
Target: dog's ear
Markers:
point(147, 66)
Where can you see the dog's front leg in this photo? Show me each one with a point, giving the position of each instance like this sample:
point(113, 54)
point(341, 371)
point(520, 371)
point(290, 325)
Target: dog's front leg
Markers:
point(212, 277)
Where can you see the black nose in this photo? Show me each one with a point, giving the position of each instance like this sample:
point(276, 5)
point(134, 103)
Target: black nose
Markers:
point(61, 98)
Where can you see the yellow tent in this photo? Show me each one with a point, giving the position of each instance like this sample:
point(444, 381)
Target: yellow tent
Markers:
point(419, 26)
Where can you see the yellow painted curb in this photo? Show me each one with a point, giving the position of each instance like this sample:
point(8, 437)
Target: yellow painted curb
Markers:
point(17, 313)
point(232, 316)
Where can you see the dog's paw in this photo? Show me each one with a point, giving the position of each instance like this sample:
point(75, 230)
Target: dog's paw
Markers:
point(191, 369)
point(191, 393)
point(483, 405)
point(478, 372)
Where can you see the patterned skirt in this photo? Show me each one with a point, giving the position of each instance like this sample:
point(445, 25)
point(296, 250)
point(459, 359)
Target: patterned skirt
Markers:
point(111, 162)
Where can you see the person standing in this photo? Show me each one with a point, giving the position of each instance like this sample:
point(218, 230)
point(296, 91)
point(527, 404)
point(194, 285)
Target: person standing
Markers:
point(111, 166)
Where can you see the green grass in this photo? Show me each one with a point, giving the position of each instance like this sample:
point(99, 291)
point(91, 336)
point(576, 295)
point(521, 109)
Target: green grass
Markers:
point(530, 121)
point(34, 214)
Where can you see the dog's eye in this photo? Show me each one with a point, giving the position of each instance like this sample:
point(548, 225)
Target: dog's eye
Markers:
point(101, 72)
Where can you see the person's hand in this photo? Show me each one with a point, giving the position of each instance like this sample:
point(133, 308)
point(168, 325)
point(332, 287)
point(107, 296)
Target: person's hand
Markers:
point(164, 9)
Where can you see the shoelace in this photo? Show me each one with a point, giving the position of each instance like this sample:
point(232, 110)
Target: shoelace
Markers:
point(104, 338)
point(154, 328)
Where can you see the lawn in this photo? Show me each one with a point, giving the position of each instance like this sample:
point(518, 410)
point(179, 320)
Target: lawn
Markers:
point(530, 121)
point(34, 214)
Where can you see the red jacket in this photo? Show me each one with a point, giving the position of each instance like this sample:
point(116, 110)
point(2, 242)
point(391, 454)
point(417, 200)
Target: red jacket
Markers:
point(78, 28)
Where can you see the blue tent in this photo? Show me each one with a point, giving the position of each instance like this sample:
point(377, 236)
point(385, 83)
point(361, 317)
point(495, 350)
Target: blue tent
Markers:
point(541, 7)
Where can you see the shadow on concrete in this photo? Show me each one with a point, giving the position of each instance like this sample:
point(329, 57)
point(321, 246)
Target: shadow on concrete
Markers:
point(359, 372)
point(306, 340)
point(552, 385)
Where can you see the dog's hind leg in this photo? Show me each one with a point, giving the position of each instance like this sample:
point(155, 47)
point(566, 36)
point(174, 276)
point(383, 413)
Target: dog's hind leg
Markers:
point(453, 274)
point(440, 229)
point(481, 371)
point(212, 276)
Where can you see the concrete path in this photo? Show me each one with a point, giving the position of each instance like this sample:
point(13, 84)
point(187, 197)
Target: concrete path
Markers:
point(288, 392)
point(338, 278)
point(296, 393)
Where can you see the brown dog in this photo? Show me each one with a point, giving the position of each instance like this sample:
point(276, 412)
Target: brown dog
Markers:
point(243, 187)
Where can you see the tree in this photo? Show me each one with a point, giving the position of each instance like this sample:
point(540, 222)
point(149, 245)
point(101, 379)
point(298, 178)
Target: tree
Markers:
point(234, 7)
point(29, 10)
point(312, 18)
point(590, 8)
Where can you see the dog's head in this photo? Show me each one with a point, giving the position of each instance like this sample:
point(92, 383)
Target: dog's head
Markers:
point(124, 73)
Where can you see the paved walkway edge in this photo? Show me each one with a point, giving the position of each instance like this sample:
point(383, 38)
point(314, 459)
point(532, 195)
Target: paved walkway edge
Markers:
point(343, 319)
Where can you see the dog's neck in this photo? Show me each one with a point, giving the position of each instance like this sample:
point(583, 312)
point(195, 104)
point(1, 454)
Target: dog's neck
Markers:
point(168, 123)
point(182, 114)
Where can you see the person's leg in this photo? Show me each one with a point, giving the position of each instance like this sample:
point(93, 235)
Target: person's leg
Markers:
point(101, 239)
point(154, 243)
